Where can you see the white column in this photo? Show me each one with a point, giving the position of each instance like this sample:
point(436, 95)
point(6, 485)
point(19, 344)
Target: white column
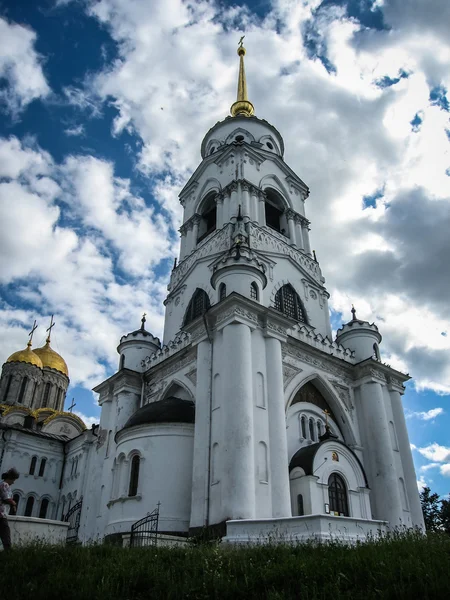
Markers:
point(233, 201)
point(245, 200)
point(306, 239)
point(189, 237)
point(219, 217)
point(254, 204)
point(291, 226)
point(238, 453)
point(195, 230)
point(200, 481)
point(406, 458)
point(384, 483)
point(279, 468)
point(298, 226)
point(226, 207)
point(182, 244)
point(262, 212)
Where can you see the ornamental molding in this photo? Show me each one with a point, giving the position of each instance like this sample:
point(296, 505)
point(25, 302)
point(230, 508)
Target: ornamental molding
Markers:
point(192, 376)
point(289, 372)
point(265, 241)
point(289, 350)
point(218, 242)
point(159, 380)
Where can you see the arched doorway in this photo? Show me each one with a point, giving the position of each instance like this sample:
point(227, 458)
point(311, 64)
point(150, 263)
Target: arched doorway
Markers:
point(337, 494)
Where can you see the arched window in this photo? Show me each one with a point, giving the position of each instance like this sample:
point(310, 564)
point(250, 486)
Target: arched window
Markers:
point(29, 506)
point(46, 395)
point(337, 493)
point(311, 430)
point(222, 292)
point(43, 508)
point(122, 362)
point(274, 210)
point(208, 222)
point(288, 302)
point(376, 352)
point(8, 385)
point(58, 397)
point(197, 306)
point(42, 467)
point(319, 429)
point(16, 499)
point(33, 465)
point(303, 426)
point(300, 508)
point(253, 291)
point(134, 476)
point(23, 387)
point(34, 394)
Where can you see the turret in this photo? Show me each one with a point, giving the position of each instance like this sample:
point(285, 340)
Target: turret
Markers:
point(136, 346)
point(360, 336)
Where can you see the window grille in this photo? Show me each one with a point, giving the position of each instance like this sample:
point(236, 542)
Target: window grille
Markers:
point(337, 493)
point(222, 291)
point(197, 306)
point(288, 302)
point(254, 291)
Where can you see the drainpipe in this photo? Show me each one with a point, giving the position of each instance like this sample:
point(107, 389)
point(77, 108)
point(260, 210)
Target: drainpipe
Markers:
point(210, 415)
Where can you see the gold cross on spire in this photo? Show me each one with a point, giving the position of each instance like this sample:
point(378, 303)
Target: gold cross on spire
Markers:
point(33, 329)
point(143, 321)
point(242, 107)
point(49, 329)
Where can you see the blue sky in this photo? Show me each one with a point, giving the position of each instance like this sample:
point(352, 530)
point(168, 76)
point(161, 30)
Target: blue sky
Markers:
point(103, 108)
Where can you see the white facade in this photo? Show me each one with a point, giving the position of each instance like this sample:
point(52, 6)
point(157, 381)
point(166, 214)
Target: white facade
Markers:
point(249, 413)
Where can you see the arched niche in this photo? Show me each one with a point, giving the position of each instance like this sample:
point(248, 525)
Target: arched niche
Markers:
point(335, 404)
point(208, 216)
point(178, 389)
point(240, 135)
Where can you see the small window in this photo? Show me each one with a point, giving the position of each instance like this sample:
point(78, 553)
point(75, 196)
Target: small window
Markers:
point(23, 387)
point(239, 138)
point(376, 352)
point(311, 430)
point(122, 362)
point(33, 465)
point(213, 149)
point(303, 426)
point(34, 395)
point(319, 429)
point(208, 221)
point(42, 467)
point(46, 395)
point(16, 499)
point(222, 292)
point(300, 509)
point(269, 145)
point(254, 291)
point(134, 476)
point(8, 385)
point(29, 507)
point(43, 508)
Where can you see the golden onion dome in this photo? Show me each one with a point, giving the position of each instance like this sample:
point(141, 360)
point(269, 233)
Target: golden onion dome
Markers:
point(27, 356)
point(52, 359)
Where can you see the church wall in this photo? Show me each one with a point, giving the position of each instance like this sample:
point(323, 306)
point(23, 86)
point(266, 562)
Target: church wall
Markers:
point(165, 476)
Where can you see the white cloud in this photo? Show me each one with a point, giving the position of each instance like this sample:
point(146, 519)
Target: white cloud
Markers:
point(429, 466)
point(426, 416)
point(422, 483)
point(435, 452)
point(75, 131)
point(20, 67)
point(88, 421)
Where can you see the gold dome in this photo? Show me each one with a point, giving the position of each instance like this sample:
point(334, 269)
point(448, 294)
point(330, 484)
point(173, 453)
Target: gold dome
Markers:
point(52, 359)
point(27, 356)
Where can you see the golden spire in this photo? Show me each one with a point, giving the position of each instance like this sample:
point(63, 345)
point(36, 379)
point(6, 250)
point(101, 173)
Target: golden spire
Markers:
point(242, 107)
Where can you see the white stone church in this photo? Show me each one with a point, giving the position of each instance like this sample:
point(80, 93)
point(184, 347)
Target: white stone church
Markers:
point(248, 420)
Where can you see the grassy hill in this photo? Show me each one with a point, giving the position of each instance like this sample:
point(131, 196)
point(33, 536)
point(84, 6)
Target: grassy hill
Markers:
point(408, 566)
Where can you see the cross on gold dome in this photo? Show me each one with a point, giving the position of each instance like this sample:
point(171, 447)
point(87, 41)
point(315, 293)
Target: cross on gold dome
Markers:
point(33, 329)
point(327, 414)
point(49, 329)
point(71, 407)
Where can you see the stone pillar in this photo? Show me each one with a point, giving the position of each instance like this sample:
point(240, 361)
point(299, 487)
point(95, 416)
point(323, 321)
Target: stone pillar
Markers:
point(262, 211)
point(196, 221)
point(291, 225)
point(233, 201)
point(305, 231)
point(279, 468)
point(189, 244)
point(238, 481)
point(219, 217)
point(298, 226)
point(182, 243)
point(383, 482)
point(254, 204)
point(200, 481)
point(406, 458)
point(245, 200)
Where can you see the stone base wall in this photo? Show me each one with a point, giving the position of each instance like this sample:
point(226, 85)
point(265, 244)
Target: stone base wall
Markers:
point(30, 530)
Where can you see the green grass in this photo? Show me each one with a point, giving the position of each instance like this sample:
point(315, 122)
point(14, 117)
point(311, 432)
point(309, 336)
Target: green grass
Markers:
point(409, 566)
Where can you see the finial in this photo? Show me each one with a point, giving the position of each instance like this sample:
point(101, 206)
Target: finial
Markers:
point(354, 313)
point(242, 107)
point(143, 321)
point(49, 329)
point(33, 329)
point(314, 254)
